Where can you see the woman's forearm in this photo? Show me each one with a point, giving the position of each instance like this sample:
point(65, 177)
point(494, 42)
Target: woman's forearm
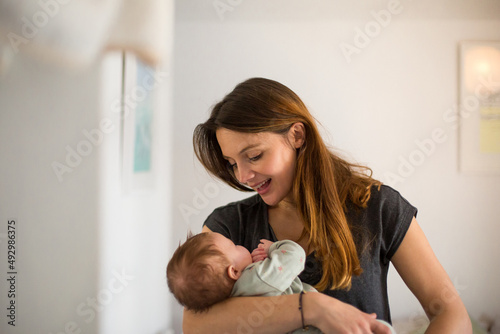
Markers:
point(278, 314)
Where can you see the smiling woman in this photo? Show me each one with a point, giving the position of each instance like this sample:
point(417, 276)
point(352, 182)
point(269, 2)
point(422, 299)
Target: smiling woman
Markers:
point(263, 161)
point(262, 138)
point(303, 173)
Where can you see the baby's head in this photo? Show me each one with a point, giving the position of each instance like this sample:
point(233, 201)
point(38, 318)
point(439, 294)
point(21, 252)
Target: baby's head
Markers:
point(203, 270)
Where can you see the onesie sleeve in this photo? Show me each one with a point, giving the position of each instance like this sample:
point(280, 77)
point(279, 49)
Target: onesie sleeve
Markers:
point(283, 264)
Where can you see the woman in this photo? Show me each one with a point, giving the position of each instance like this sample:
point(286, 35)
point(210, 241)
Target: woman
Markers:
point(262, 138)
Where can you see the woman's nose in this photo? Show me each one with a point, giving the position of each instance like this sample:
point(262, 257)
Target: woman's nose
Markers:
point(244, 173)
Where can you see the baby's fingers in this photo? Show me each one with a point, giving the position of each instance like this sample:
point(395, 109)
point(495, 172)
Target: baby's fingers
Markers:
point(258, 258)
point(258, 255)
point(257, 251)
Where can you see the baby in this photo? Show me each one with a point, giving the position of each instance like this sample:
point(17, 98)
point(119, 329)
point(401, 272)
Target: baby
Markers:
point(209, 268)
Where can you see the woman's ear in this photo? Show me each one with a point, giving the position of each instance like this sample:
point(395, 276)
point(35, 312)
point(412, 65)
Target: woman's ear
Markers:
point(297, 134)
point(233, 273)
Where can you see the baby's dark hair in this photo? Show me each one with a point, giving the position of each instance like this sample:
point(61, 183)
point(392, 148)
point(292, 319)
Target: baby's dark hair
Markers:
point(197, 273)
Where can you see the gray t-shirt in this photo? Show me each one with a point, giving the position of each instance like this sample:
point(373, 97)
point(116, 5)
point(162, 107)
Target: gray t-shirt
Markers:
point(378, 230)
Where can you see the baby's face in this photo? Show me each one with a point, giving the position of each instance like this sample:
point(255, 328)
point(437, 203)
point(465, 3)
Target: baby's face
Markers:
point(238, 255)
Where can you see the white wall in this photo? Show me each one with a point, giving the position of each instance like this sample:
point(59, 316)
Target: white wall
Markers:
point(42, 111)
point(375, 108)
point(90, 255)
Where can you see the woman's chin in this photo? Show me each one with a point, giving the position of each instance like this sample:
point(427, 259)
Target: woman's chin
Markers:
point(269, 200)
point(273, 200)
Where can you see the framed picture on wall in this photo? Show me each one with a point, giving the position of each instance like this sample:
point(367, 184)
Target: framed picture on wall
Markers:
point(138, 104)
point(479, 106)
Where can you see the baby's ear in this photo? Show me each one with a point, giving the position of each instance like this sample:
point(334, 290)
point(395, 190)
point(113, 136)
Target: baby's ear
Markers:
point(233, 272)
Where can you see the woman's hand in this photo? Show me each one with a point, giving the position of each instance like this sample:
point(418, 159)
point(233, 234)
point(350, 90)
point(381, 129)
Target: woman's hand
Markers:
point(261, 252)
point(333, 316)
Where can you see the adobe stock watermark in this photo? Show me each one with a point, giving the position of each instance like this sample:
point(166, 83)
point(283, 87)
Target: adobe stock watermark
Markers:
point(426, 147)
point(200, 200)
point(48, 9)
point(88, 309)
point(95, 137)
point(417, 157)
point(372, 29)
point(223, 6)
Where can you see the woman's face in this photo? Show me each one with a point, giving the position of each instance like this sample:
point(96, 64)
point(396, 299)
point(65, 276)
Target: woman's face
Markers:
point(263, 161)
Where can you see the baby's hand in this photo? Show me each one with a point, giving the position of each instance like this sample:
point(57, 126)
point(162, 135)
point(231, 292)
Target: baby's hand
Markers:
point(261, 252)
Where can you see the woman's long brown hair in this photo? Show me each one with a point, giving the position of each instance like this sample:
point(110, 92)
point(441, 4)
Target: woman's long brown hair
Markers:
point(323, 181)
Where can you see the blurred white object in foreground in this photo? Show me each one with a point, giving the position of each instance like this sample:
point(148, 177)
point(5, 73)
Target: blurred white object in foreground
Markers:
point(74, 33)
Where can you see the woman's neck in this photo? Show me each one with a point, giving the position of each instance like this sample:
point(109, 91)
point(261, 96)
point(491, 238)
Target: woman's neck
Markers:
point(286, 223)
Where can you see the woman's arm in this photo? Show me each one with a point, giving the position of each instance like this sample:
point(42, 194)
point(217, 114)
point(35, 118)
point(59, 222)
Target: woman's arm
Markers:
point(280, 314)
point(426, 278)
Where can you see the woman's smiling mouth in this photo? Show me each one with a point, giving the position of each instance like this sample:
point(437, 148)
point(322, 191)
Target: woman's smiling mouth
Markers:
point(262, 187)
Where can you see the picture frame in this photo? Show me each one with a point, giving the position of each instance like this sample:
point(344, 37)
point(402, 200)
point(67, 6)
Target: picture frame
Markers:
point(137, 115)
point(478, 111)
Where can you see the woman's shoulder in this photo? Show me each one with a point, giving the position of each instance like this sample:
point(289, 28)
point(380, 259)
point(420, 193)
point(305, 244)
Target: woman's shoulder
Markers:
point(384, 195)
point(386, 207)
point(390, 209)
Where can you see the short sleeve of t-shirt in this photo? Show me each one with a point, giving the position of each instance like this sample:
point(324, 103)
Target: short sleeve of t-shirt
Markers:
point(395, 215)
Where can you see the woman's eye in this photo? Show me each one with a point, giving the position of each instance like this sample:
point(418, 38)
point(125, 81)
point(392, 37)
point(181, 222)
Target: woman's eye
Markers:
point(255, 158)
point(232, 166)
